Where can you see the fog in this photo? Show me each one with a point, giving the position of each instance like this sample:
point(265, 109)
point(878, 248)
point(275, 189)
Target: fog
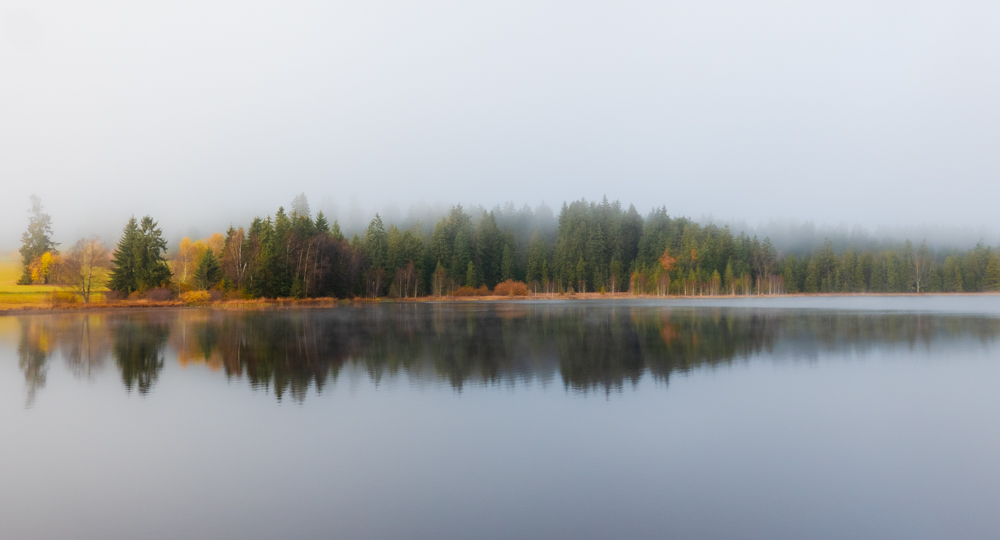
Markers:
point(834, 116)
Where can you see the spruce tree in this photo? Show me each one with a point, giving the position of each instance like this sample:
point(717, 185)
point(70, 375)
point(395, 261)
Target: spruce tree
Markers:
point(992, 274)
point(209, 273)
point(812, 284)
point(138, 263)
point(470, 275)
point(729, 278)
point(124, 265)
point(154, 270)
point(322, 224)
point(335, 231)
point(300, 205)
point(789, 278)
point(280, 279)
point(506, 264)
point(461, 255)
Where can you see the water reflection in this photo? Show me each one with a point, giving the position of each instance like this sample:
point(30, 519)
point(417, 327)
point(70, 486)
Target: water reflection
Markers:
point(33, 351)
point(590, 347)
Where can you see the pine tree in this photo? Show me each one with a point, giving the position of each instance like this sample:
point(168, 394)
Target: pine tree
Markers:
point(438, 280)
point(489, 250)
point(788, 276)
point(812, 283)
point(335, 231)
point(322, 224)
point(138, 263)
point(125, 262)
point(545, 274)
point(461, 255)
point(615, 275)
point(154, 270)
point(470, 275)
point(506, 264)
point(35, 241)
point(280, 279)
point(209, 273)
point(300, 205)
point(729, 278)
point(991, 276)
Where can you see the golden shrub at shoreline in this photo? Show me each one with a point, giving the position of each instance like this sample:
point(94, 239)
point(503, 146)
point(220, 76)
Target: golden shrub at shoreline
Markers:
point(196, 298)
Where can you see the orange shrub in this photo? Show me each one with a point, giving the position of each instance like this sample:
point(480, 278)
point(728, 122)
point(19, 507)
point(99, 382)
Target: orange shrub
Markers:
point(483, 290)
point(511, 288)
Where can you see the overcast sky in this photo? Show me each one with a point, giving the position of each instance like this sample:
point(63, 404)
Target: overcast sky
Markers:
point(206, 113)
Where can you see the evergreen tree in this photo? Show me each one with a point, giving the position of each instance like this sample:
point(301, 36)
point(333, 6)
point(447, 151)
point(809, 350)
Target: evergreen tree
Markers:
point(461, 255)
point(788, 276)
point(138, 263)
point(489, 250)
point(335, 231)
point(279, 277)
point(470, 275)
point(728, 278)
point(812, 283)
point(321, 223)
point(37, 240)
point(126, 260)
point(300, 205)
point(506, 264)
point(209, 273)
point(616, 275)
point(991, 276)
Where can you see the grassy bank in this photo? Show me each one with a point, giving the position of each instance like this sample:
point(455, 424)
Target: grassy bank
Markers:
point(14, 295)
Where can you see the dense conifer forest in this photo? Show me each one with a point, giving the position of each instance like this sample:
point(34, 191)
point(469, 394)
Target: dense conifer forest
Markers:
point(589, 247)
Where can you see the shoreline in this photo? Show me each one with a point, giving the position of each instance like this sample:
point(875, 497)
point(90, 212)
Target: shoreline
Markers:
point(289, 303)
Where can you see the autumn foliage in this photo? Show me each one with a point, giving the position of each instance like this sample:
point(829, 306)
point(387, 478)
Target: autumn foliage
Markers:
point(195, 298)
point(511, 288)
point(483, 290)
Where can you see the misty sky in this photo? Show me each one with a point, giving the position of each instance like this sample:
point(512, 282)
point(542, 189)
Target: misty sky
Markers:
point(206, 113)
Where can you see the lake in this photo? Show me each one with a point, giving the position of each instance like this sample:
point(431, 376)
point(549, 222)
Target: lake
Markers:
point(839, 417)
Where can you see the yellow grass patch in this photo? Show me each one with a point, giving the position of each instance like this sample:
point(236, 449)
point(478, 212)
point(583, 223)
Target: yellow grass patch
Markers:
point(12, 294)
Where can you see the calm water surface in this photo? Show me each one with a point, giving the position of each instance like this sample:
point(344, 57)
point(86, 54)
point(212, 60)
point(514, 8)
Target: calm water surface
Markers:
point(764, 418)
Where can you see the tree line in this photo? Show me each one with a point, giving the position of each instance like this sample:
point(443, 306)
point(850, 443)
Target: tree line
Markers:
point(589, 247)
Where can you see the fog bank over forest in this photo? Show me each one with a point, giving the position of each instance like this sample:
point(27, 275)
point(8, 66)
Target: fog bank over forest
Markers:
point(796, 237)
point(205, 114)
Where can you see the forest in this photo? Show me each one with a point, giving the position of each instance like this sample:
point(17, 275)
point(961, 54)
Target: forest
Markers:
point(588, 247)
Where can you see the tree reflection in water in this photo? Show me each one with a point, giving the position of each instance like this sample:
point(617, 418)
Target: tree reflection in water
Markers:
point(590, 346)
point(138, 351)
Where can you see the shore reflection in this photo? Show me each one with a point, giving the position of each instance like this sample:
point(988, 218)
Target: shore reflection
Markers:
point(589, 347)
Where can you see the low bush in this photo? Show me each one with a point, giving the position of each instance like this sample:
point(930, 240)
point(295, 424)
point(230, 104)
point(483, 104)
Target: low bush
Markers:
point(62, 297)
point(511, 288)
point(483, 290)
point(196, 298)
point(159, 295)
